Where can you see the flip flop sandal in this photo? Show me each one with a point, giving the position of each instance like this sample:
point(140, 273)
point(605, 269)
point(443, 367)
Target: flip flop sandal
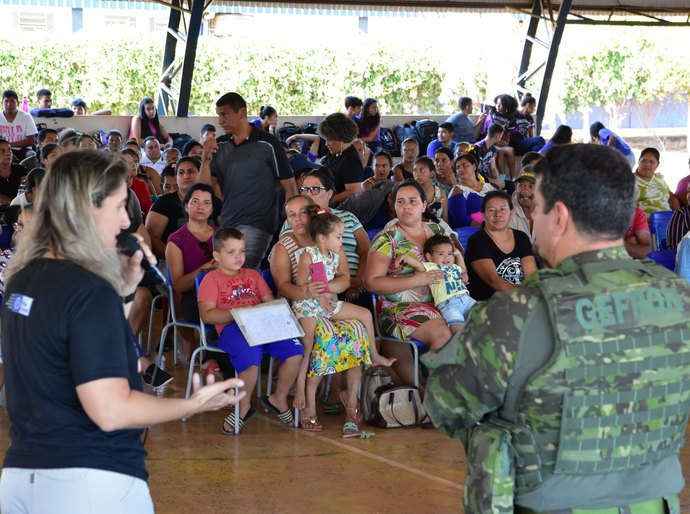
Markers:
point(311, 424)
point(350, 429)
point(285, 418)
point(352, 415)
point(230, 421)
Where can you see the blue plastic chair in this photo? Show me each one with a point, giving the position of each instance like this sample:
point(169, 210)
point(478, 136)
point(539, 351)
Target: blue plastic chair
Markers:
point(665, 258)
point(464, 234)
point(5, 237)
point(373, 232)
point(658, 223)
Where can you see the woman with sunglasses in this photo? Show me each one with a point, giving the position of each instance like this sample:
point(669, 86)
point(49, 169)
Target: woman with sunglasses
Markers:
point(189, 251)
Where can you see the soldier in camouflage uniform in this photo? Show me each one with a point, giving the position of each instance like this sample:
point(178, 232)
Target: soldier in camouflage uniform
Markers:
point(571, 394)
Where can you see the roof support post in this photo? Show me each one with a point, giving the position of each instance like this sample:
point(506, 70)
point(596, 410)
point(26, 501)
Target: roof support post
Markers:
point(164, 101)
point(527, 49)
point(193, 32)
point(551, 60)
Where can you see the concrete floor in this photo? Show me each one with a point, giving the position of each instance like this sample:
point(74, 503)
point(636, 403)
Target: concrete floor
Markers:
point(271, 468)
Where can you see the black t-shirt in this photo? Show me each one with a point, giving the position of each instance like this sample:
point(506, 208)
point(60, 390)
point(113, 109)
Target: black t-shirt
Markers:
point(10, 185)
point(170, 206)
point(248, 174)
point(62, 327)
point(346, 168)
point(508, 266)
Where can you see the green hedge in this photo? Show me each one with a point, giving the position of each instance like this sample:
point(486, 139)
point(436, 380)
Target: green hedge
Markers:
point(117, 74)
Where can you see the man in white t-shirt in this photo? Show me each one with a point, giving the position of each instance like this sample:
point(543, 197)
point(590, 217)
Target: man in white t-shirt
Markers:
point(153, 157)
point(16, 126)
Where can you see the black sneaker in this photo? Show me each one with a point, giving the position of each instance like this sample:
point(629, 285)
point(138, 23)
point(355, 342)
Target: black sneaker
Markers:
point(156, 377)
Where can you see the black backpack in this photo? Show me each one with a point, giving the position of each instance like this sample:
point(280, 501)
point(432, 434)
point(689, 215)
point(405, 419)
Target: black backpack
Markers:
point(389, 142)
point(312, 128)
point(427, 131)
point(288, 129)
point(406, 131)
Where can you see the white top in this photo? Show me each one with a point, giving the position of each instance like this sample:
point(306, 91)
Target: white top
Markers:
point(22, 126)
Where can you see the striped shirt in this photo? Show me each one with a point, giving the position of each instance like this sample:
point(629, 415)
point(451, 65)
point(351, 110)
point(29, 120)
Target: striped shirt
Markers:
point(352, 224)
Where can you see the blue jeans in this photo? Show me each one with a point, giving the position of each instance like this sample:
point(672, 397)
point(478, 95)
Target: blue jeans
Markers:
point(256, 245)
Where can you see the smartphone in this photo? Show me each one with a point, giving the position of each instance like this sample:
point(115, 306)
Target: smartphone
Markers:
point(317, 273)
point(486, 108)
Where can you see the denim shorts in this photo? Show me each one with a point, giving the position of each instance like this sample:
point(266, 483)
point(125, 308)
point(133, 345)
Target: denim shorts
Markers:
point(454, 310)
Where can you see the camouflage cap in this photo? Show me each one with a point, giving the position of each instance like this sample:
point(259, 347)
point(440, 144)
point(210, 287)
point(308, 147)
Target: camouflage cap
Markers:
point(527, 174)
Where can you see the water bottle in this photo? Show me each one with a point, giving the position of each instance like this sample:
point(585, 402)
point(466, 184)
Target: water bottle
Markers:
point(25, 104)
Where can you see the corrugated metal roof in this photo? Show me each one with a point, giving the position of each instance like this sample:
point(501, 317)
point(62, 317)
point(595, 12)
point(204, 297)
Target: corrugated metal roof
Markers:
point(656, 7)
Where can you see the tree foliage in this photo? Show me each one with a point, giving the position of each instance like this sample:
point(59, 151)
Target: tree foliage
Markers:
point(117, 74)
point(619, 74)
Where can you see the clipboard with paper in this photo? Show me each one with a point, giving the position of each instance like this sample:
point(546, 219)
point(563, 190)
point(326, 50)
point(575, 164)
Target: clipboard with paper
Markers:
point(267, 322)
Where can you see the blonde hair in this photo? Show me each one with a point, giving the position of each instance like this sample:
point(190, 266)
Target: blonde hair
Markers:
point(64, 223)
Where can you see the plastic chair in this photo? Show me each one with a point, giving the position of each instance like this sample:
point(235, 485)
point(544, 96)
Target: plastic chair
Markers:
point(464, 234)
point(173, 321)
point(373, 232)
point(658, 223)
point(414, 343)
point(268, 278)
point(160, 298)
point(665, 258)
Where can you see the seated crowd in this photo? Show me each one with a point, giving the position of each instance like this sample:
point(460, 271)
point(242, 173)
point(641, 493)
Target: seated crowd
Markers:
point(240, 199)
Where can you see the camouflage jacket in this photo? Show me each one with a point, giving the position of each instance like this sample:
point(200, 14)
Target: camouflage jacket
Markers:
point(491, 363)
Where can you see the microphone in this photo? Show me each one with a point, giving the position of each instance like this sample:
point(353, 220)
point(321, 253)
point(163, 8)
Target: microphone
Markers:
point(127, 244)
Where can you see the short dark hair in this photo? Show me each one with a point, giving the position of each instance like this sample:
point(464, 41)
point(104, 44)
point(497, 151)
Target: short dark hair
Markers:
point(338, 127)
point(530, 158)
point(595, 127)
point(325, 176)
point(45, 151)
point(426, 161)
point(9, 93)
point(383, 153)
point(527, 99)
point(494, 129)
point(445, 151)
point(199, 186)
point(464, 101)
point(267, 110)
point(207, 127)
point(169, 171)
point(232, 100)
point(43, 92)
point(322, 221)
point(114, 132)
point(192, 143)
point(33, 179)
point(44, 132)
point(353, 101)
point(82, 137)
point(652, 151)
point(149, 138)
point(188, 158)
point(436, 240)
point(223, 235)
point(448, 126)
point(497, 194)
point(603, 209)
point(78, 102)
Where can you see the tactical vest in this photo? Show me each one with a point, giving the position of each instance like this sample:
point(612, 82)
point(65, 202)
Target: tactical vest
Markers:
point(619, 373)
